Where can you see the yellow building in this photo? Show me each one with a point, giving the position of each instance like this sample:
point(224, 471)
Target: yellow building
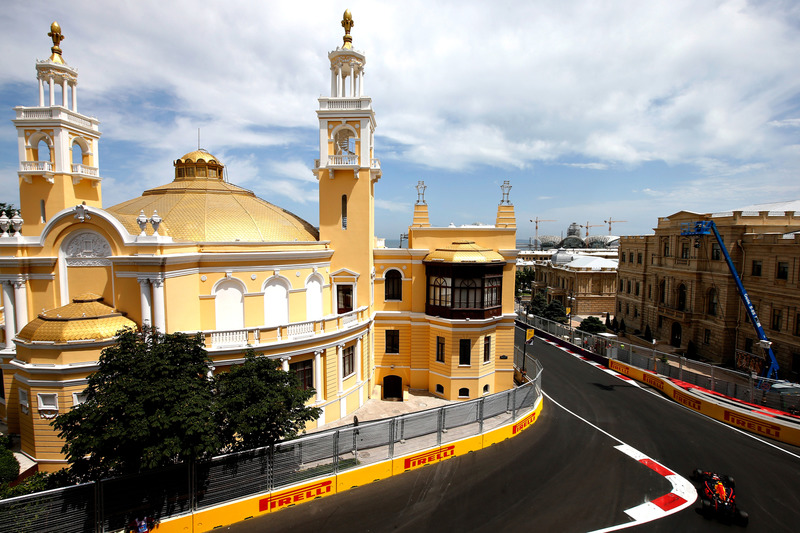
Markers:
point(354, 319)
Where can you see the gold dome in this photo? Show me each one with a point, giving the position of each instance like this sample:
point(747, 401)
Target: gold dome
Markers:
point(464, 252)
point(85, 319)
point(199, 206)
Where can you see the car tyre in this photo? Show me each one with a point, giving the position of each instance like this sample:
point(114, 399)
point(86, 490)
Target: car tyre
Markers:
point(706, 508)
point(743, 518)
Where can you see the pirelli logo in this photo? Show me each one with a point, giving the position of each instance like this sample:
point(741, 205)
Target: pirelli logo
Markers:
point(752, 424)
point(653, 381)
point(522, 424)
point(688, 401)
point(616, 366)
point(283, 499)
point(430, 457)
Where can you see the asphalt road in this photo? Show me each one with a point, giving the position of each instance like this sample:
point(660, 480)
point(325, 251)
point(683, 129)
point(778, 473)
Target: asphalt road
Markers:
point(564, 475)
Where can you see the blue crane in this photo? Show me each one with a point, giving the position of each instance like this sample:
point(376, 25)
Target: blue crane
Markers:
point(707, 227)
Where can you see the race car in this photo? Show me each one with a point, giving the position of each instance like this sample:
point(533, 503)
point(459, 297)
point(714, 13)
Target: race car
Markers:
point(718, 497)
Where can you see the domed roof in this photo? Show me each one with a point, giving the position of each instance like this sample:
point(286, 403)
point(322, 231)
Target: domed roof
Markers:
point(85, 319)
point(561, 257)
point(199, 206)
point(464, 252)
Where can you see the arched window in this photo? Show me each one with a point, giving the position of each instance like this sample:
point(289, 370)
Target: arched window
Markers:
point(314, 297)
point(345, 142)
point(440, 292)
point(486, 389)
point(344, 211)
point(229, 304)
point(393, 285)
point(463, 392)
point(468, 294)
point(276, 302)
point(712, 302)
point(439, 389)
point(77, 154)
point(43, 150)
point(681, 297)
point(662, 292)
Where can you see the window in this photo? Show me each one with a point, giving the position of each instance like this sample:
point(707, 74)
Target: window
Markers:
point(716, 251)
point(344, 211)
point(393, 285)
point(392, 341)
point(783, 270)
point(777, 319)
point(276, 302)
point(635, 311)
point(682, 297)
point(662, 292)
point(344, 298)
point(622, 257)
point(487, 348)
point(439, 293)
point(630, 257)
point(78, 398)
point(666, 248)
point(707, 336)
point(636, 289)
point(229, 305)
point(627, 309)
point(305, 371)
point(467, 294)
point(660, 322)
point(712, 302)
point(748, 345)
point(629, 286)
point(639, 258)
point(440, 349)
point(348, 361)
point(439, 389)
point(684, 250)
point(24, 403)
point(464, 349)
point(756, 268)
point(619, 307)
point(314, 297)
point(649, 292)
point(491, 293)
point(486, 389)
point(463, 392)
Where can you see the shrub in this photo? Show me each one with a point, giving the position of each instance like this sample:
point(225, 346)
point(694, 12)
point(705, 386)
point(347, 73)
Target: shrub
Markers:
point(9, 466)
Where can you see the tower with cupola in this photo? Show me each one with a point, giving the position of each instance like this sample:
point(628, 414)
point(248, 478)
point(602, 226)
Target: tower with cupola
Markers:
point(58, 146)
point(347, 171)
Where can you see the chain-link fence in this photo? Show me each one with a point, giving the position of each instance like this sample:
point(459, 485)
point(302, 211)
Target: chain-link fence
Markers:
point(725, 381)
point(112, 504)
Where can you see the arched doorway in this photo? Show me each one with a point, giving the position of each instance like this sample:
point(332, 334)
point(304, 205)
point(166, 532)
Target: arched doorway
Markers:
point(675, 339)
point(393, 388)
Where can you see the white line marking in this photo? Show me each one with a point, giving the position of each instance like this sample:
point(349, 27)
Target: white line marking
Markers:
point(647, 512)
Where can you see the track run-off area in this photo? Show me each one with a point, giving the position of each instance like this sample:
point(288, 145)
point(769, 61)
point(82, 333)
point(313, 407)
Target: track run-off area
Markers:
point(606, 454)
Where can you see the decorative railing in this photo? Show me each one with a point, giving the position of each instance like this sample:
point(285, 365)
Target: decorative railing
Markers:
point(342, 160)
point(34, 113)
point(229, 338)
point(85, 170)
point(344, 103)
point(300, 330)
point(375, 163)
point(36, 166)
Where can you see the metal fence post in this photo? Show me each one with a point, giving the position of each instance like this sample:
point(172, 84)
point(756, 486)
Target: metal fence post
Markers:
point(513, 404)
point(392, 436)
point(336, 452)
point(680, 368)
point(440, 426)
point(480, 416)
point(712, 377)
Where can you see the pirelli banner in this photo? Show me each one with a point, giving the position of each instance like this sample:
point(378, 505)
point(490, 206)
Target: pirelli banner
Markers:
point(769, 428)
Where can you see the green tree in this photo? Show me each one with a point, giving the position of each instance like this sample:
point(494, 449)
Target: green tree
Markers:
point(8, 209)
point(538, 304)
point(258, 404)
point(9, 466)
point(149, 404)
point(555, 311)
point(523, 279)
point(592, 325)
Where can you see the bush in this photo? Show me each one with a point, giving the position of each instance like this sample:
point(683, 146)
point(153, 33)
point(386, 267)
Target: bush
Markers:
point(592, 324)
point(9, 466)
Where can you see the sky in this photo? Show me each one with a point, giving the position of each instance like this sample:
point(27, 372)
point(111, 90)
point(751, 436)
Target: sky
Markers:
point(621, 110)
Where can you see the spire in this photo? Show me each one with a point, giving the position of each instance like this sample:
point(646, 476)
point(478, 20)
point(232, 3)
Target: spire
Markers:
point(421, 219)
point(347, 23)
point(505, 211)
point(57, 36)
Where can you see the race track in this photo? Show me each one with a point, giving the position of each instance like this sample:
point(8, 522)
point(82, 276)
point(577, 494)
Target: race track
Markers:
point(563, 474)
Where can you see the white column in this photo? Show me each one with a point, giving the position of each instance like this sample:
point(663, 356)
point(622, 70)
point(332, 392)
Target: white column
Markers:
point(41, 92)
point(352, 81)
point(64, 92)
point(318, 375)
point(338, 82)
point(333, 81)
point(285, 363)
point(75, 97)
point(340, 365)
point(8, 311)
point(358, 363)
point(51, 85)
point(144, 297)
point(21, 300)
point(159, 317)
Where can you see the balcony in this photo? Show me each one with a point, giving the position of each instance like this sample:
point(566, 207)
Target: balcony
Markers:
point(59, 113)
point(345, 104)
point(265, 335)
point(674, 313)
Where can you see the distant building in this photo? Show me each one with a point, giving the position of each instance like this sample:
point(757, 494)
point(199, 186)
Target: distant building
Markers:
point(682, 289)
point(586, 283)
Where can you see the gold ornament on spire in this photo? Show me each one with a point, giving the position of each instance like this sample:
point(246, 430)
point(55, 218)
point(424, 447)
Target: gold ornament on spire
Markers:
point(55, 34)
point(347, 23)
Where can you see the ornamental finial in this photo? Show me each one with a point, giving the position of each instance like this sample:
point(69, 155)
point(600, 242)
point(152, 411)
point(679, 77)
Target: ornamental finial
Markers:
point(421, 192)
point(55, 34)
point(506, 187)
point(347, 23)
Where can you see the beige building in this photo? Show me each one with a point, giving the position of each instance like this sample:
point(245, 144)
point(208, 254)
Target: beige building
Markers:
point(585, 283)
point(353, 319)
point(682, 288)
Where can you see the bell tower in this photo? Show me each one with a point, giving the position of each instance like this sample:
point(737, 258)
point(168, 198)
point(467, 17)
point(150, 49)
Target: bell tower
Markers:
point(58, 147)
point(347, 171)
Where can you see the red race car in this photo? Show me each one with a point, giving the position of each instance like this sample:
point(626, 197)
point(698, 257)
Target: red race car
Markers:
point(718, 497)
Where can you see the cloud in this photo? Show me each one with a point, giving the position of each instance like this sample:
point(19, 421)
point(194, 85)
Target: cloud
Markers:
point(395, 207)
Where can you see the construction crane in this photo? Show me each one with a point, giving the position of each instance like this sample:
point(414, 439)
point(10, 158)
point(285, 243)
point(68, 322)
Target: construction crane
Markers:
point(708, 227)
point(610, 221)
point(587, 226)
point(536, 222)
